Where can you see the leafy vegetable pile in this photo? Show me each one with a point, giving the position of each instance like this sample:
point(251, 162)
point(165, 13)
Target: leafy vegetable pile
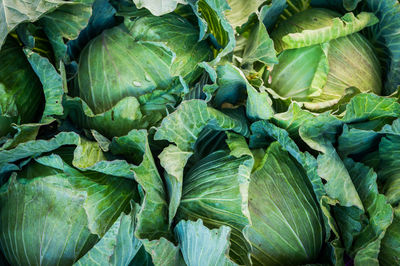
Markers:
point(200, 132)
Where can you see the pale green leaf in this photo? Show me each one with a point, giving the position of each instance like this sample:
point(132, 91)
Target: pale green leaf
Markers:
point(202, 246)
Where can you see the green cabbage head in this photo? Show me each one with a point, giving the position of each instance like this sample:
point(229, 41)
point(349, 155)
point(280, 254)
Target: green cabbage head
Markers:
point(129, 74)
point(321, 55)
point(53, 214)
point(286, 221)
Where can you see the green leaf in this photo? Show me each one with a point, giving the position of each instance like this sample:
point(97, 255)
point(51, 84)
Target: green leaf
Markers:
point(366, 244)
point(45, 218)
point(287, 226)
point(339, 27)
point(232, 83)
point(64, 24)
point(20, 88)
point(156, 79)
point(34, 148)
point(240, 10)
point(25, 132)
point(356, 141)
point(390, 247)
point(180, 36)
point(292, 119)
point(386, 37)
point(370, 106)
point(269, 13)
point(163, 252)
point(319, 134)
point(124, 116)
point(15, 12)
point(159, 7)
point(173, 160)
point(87, 205)
point(211, 16)
point(96, 74)
point(117, 247)
point(389, 169)
point(202, 246)
point(315, 59)
point(52, 82)
point(262, 129)
point(98, 187)
point(259, 47)
point(184, 125)
point(152, 218)
point(215, 190)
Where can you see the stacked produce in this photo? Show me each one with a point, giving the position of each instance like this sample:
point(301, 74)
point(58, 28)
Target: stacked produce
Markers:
point(200, 132)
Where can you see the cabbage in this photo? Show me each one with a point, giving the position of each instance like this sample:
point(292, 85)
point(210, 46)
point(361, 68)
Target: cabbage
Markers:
point(141, 68)
point(320, 56)
point(287, 226)
point(63, 211)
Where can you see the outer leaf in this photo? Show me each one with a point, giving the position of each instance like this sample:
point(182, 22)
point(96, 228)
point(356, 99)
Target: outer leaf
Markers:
point(90, 203)
point(152, 218)
point(390, 249)
point(231, 89)
point(117, 247)
point(370, 106)
point(315, 59)
point(159, 7)
point(53, 89)
point(118, 121)
point(180, 36)
point(174, 160)
point(215, 190)
point(202, 246)
point(292, 119)
point(163, 252)
point(241, 10)
point(15, 12)
point(65, 23)
point(25, 132)
point(97, 74)
point(389, 168)
point(183, 126)
point(260, 47)
point(212, 19)
point(270, 13)
point(357, 141)
point(103, 17)
point(388, 13)
point(20, 89)
point(367, 244)
point(262, 129)
point(24, 249)
point(318, 135)
point(99, 188)
point(340, 27)
point(287, 226)
point(52, 84)
point(35, 148)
